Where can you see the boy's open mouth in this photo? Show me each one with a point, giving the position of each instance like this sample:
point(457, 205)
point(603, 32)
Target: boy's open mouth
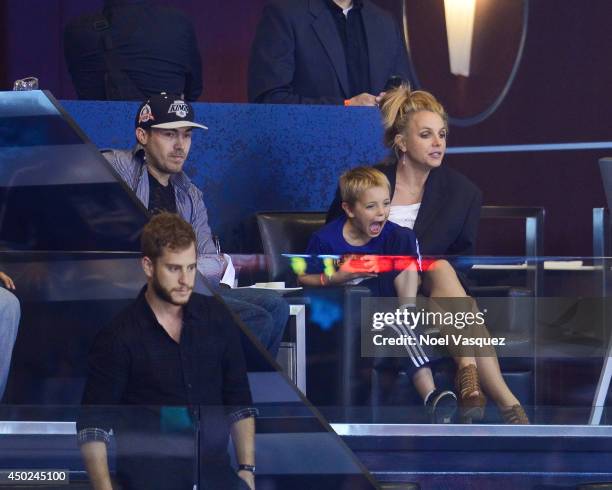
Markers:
point(376, 227)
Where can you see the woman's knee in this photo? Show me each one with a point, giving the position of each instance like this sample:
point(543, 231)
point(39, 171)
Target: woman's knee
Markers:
point(442, 267)
point(442, 280)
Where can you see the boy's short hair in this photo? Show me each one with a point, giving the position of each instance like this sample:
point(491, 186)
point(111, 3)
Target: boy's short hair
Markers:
point(358, 180)
point(166, 230)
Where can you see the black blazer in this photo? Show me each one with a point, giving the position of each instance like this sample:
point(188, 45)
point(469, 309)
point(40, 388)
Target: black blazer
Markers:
point(297, 56)
point(448, 218)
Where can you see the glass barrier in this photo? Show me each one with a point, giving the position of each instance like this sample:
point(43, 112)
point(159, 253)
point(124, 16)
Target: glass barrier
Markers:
point(544, 321)
point(57, 192)
point(66, 300)
point(371, 402)
point(531, 334)
point(172, 447)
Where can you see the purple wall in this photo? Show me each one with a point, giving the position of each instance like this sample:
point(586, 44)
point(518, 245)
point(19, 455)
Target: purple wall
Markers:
point(33, 41)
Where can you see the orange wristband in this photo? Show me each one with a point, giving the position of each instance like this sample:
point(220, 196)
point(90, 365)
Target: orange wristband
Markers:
point(347, 102)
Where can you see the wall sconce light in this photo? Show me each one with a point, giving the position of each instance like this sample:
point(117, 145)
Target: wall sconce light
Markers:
point(459, 16)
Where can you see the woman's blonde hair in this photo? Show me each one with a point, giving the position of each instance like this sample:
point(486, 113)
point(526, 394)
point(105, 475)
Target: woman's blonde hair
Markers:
point(358, 180)
point(398, 104)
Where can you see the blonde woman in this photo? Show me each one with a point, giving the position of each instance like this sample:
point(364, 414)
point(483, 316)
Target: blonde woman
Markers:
point(442, 207)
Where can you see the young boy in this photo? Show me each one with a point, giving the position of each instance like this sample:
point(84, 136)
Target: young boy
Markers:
point(365, 231)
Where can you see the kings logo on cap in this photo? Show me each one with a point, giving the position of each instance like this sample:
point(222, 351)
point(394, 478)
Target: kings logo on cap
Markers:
point(180, 108)
point(145, 114)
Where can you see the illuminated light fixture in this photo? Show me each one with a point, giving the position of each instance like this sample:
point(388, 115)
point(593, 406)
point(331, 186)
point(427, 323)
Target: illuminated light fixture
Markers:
point(459, 31)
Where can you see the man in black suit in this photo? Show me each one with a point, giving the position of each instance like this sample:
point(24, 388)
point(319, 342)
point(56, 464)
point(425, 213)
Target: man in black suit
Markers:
point(325, 52)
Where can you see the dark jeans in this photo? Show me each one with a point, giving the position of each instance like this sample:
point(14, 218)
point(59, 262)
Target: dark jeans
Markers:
point(10, 313)
point(264, 312)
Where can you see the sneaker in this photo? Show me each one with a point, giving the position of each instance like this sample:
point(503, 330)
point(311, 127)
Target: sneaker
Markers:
point(441, 406)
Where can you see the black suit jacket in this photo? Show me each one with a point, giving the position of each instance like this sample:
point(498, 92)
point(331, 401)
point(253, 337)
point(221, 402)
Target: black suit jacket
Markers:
point(298, 57)
point(448, 218)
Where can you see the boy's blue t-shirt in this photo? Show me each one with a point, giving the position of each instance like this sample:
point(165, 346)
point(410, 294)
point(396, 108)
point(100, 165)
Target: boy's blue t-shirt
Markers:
point(393, 240)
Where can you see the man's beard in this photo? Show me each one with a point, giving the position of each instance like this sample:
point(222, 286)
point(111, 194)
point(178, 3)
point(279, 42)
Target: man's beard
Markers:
point(166, 295)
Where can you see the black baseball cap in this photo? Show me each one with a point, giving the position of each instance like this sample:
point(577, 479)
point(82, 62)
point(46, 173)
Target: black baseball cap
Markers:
point(166, 111)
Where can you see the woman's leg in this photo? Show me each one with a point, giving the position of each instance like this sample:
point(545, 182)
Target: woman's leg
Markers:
point(441, 281)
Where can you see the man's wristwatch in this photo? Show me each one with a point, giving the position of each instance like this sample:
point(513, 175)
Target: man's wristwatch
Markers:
point(246, 467)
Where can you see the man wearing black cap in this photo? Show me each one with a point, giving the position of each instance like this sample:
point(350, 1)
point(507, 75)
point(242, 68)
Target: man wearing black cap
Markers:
point(154, 171)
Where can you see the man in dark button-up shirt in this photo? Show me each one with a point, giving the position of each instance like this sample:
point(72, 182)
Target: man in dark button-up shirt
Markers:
point(355, 44)
point(169, 348)
point(325, 52)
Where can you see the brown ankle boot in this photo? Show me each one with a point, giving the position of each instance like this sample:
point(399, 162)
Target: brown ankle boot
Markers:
point(515, 415)
point(466, 383)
